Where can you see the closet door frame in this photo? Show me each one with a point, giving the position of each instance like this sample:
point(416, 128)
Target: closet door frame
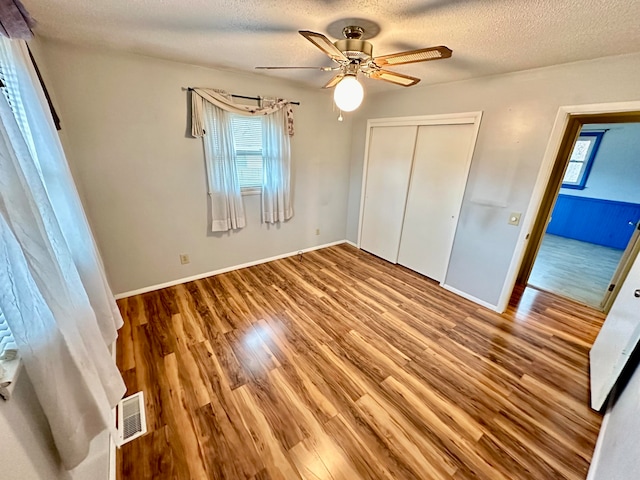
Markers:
point(473, 118)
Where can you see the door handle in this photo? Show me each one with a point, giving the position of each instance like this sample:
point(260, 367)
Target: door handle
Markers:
point(637, 293)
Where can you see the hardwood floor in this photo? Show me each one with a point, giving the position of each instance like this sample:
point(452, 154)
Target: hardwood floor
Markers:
point(577, 270)
point(343, 366)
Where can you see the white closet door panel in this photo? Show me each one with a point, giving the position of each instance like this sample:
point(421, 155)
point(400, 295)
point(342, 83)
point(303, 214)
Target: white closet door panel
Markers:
point(388, 170)
point(437, 186)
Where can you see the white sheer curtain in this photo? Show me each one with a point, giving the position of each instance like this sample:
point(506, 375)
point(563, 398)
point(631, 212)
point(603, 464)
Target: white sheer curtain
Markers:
point(53, 291)
point(227, 210)
point(211, 119)
point(276, 164)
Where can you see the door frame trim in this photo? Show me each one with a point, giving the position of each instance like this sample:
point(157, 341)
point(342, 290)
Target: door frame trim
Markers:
point(463, 118)
point(624, 267)
point(563, 117)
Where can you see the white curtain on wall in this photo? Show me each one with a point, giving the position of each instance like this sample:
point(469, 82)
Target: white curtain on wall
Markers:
point(276, 158)
point(211, 119)
point(53, 290)
point(227, 210)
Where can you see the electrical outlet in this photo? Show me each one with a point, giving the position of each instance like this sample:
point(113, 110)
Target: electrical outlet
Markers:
point(184, 258)
point(514, 218)
point(317, 231)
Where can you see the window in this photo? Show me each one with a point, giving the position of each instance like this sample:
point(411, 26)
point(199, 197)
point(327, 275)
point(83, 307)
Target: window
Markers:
point(8, 363)
point(244, 154)
point(11, 91)
point(247, 139)
point(7, 342)
point(581, 160)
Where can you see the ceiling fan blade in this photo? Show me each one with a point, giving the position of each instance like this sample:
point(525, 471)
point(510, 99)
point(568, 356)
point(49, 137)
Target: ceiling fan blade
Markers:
point(413, 56)
point(334, 81)
point(393, 77)
point(324, 69)
point(324, 44)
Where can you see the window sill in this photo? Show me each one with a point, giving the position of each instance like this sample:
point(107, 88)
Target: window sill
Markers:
point(251, 191)
point(8, 377)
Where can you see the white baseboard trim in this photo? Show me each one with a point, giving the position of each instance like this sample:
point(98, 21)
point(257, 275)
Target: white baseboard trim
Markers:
point(470, 297)
point(112, 459)
point(351, 243)
point(178, 281)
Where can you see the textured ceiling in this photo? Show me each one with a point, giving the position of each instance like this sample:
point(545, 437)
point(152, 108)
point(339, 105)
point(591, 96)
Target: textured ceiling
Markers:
point(486, 36)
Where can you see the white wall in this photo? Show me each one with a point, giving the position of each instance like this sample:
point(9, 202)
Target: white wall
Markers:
point(142, 177)
point(519, 111)
point(27, 451)
point(97, 464)
point(615, 172)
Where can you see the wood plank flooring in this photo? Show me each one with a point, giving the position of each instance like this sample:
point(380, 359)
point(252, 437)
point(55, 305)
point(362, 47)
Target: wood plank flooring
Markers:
point(577, 270)
point(342, 366)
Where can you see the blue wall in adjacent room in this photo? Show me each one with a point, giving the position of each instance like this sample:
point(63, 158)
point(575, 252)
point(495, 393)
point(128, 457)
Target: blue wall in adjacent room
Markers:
point(603, 222)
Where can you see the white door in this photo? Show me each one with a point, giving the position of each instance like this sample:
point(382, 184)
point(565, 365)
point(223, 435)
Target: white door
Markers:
point(617, 338)
point(440, 166)
point(388, 170)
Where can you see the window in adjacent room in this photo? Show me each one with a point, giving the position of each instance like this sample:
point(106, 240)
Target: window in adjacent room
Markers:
point(247, 139)
point(582, 156)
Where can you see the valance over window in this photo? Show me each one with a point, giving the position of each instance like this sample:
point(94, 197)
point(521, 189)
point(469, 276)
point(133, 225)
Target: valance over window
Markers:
point(225, 102)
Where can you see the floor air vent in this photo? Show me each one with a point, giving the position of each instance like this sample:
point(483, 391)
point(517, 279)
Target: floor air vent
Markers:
point(132, 421)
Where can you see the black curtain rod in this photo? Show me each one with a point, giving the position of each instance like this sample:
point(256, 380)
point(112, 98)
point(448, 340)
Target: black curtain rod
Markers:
point(257, 99)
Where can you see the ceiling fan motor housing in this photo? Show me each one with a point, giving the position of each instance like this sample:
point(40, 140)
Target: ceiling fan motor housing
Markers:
point(355, 49)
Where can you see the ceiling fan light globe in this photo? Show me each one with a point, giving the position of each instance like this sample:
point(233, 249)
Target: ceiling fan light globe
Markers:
point(348, 94)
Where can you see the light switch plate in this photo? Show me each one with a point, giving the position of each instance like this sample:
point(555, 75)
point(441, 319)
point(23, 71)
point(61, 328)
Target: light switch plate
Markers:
point(514, 218)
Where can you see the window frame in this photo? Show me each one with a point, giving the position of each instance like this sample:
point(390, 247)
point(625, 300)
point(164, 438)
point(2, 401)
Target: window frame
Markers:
point(251, 190)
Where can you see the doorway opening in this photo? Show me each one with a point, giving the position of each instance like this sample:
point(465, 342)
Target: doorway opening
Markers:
point(587, 231)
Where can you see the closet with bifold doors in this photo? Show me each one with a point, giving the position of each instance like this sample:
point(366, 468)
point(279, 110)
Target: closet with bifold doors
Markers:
point(414, 178)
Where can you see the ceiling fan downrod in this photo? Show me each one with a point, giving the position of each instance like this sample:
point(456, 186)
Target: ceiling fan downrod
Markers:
point(353, 32)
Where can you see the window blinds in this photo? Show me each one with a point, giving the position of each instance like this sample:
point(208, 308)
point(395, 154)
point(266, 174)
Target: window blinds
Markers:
point(247, 139)
point(8, 347)
point(11, 91)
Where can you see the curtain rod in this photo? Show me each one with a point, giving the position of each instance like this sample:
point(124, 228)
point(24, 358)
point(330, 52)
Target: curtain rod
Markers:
point(257, 99)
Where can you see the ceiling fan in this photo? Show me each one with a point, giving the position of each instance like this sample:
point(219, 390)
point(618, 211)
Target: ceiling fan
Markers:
point(354, 56)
